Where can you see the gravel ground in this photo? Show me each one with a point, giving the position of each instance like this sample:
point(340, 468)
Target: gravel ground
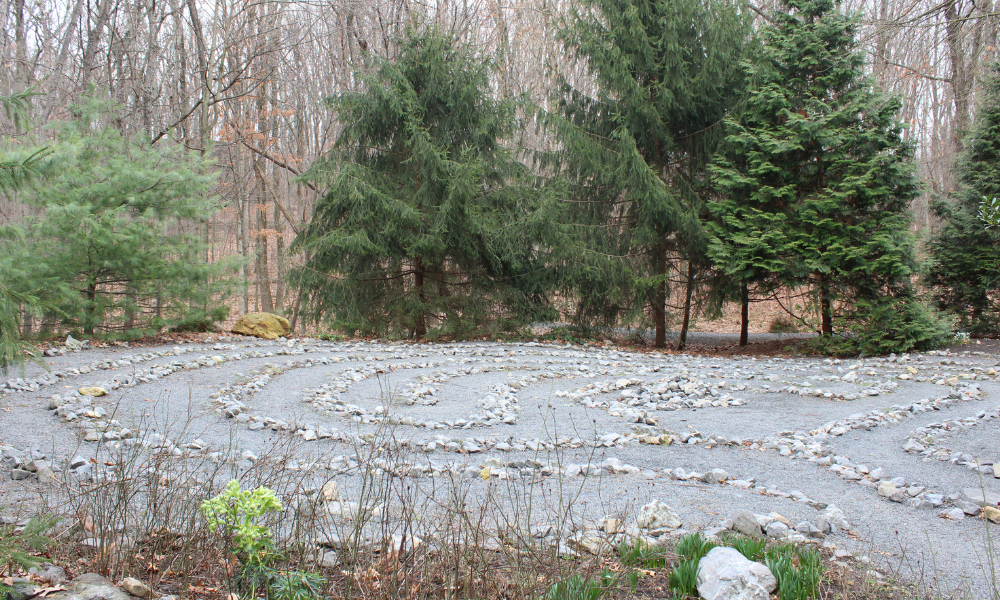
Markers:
point(610, 426)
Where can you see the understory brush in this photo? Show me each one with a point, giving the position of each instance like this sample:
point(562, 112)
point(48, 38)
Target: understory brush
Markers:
point(370, 520)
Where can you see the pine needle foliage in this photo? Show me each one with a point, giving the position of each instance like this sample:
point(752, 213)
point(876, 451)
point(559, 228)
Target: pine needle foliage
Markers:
point(431, 223)
point(20, 547)
point(15, 173)
point(664, 73)
point(815, 174)
point(117, 237)
point(965, 269)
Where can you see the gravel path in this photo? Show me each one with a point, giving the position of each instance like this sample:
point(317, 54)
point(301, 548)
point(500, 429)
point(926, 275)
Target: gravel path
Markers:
point(891, 442)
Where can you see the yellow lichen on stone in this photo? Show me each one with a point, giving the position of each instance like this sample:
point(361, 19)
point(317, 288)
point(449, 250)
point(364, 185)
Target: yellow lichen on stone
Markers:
point(262, 325)
point(93, 391)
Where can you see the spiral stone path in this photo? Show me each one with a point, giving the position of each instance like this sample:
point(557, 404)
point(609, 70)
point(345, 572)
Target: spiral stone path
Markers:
point(888, 460)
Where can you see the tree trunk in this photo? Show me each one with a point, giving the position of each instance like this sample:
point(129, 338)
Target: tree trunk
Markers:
point(826, 306)
point(26, 322)
point(279, 251)
point(241, 245)
point(58, 71)
point(660, 298)
point(93, 42)
point(261, 266)
point(90, 312)
point(420, 327)
point(21, 46)
point(744, 312)
point(961, 78)
point(682, 341)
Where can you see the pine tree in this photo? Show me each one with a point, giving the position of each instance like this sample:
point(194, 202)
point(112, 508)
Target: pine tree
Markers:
point(666, 73)
point(15, 173)
point(110, 239)
point(430, 220)
point(965, 269)
point(816, 175)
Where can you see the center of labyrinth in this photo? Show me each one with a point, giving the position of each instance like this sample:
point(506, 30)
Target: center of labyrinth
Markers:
point(807, 447)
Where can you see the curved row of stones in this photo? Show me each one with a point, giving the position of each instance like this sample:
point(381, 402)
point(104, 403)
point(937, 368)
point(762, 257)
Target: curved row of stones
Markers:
point(677, 391)
point(649, 396)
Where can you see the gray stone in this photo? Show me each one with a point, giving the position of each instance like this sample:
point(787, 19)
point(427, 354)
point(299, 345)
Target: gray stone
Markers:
point(980, 497)
point(952, 513)
point(725, 574)
point(746, 523)
point(719, 475)
point(935, 499)
point(821, 524)
point(970, 508)
point(330, 559)
point(91, 586)
point(20, 474)
point(888, 489)
point(777, 530)
point(53, 574)
point(836, 518)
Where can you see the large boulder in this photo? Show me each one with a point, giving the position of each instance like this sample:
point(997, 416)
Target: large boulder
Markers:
point(91, 586)
point(262, 325)
point(725, 574)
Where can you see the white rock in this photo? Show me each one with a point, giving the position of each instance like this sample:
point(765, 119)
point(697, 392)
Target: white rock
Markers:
point(725, 574)
point(835, 517)
point(657, 515)
point(331, 491)
point(136, 587)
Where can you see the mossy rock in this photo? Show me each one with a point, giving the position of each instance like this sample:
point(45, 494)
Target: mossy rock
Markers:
point(262, 325)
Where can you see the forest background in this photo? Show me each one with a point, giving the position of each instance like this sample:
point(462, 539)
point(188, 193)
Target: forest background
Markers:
point(236, 89)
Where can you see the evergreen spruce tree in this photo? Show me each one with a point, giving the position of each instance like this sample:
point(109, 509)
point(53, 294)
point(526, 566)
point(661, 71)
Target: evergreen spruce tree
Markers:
point(817, 179)
point(965, 269)
point(666, 72)
point(430, 219)
point(110, 241)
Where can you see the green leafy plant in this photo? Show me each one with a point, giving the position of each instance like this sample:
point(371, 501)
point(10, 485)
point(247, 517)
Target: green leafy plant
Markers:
point(236, 514)
point(297, 585)
point(693, 546)
point(798, 571)
point(989, 211)
point(683, 579)
point(579, 587)
point(751, 548)
point(640, 554)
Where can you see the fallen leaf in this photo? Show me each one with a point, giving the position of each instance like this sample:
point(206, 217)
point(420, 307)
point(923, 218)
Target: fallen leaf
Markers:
point(45, 591)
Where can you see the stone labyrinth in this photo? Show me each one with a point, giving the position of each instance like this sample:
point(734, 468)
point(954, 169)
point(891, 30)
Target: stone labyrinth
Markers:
point(886, 460)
